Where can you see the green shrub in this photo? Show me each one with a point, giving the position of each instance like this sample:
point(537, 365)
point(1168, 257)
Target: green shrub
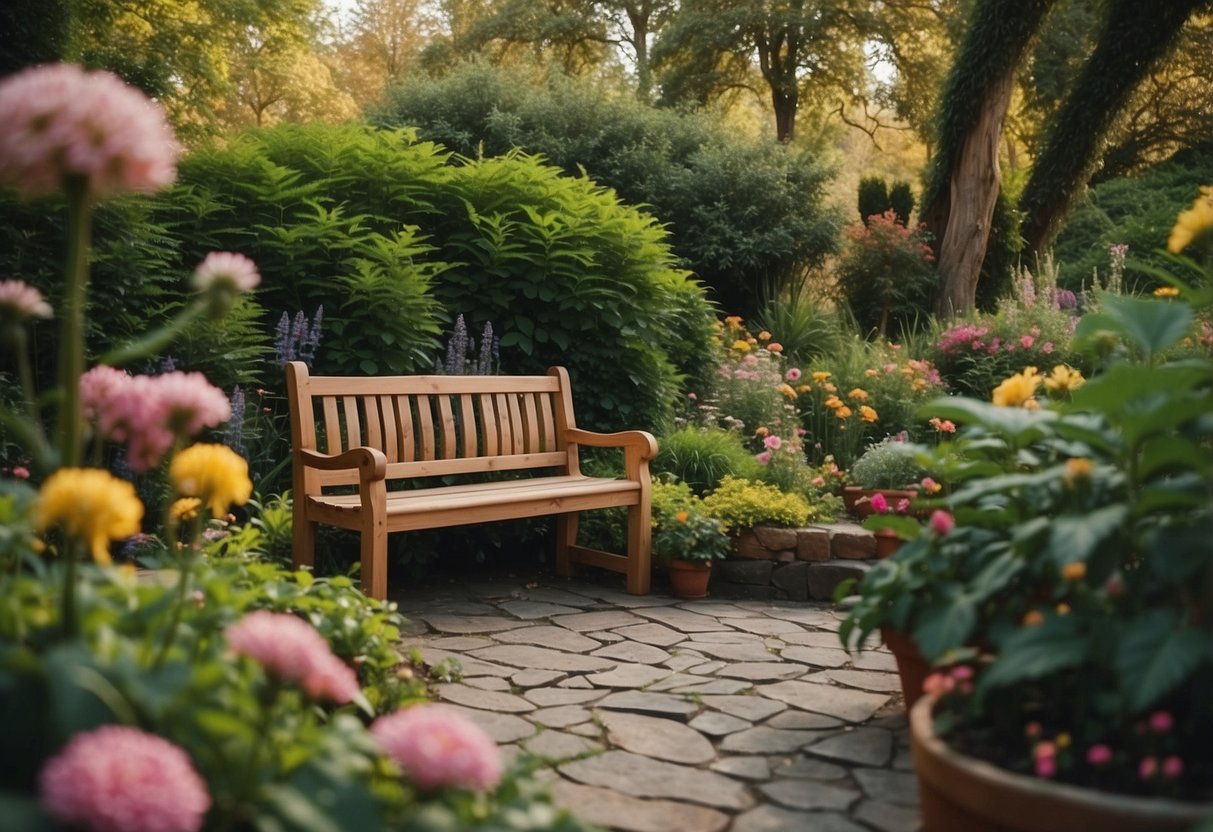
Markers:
point(886, 275)
point(807, 326)
point(741, 504)
point(745, 216)
point(700, 457)
point(901, 201)
point(873, 197)
point(890, 463)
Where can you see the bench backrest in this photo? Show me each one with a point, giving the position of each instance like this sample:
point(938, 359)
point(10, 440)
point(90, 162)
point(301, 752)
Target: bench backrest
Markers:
point(430, 426)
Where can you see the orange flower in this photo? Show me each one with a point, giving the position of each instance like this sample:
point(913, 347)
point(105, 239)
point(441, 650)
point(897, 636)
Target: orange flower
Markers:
point(1033, 618)
point(1074, 571)
point(820, 376)
point(867, 414)
point(858, 394)
point(787, 390)
point(1078, 468)
point(843, 412)
point(764, 336)
point(682, 516)
point(761, 431)
point(870, 373)
point(804, 388)
point(833, 402)
point(829, 387)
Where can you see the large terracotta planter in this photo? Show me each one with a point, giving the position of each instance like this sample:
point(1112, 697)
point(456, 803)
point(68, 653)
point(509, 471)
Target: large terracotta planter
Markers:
point(912, 668)
point(689, 579)
point(857, 500)
point(964, 794)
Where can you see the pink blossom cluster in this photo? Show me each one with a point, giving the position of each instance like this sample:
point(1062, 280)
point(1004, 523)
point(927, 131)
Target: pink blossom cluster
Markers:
point(19, 301)
point(290, 649)
point(120, 779)
point(437, 747)
point(942, 682)
point(959, 337)
point(61, 121)
point(148, 413)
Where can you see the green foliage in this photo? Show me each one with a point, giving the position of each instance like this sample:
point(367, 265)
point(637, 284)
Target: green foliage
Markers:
point(701, 457)
point(890, 463)
point(741, 504)
point(746, 217)
point(691, 535)
point(873, 197)
point(901, 201)
point(886, 276)
point(1137, 211)
point(808, 327)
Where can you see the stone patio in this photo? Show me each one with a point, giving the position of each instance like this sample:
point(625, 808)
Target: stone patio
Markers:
point(656, 715)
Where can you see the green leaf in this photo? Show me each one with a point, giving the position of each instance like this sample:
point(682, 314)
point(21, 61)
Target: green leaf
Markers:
point(1148, 324)
point(1175, 553)
point(945, 625)
point(1015, 423)
point(996, 575)
point(1155, 656)
point(1032, 652)
point(1075, 537)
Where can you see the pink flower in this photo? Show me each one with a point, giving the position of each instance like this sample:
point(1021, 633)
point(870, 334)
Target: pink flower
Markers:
point(191, 403)
point(226, 270)
point(120, 779)
point(764, 457)
point(1161, 722)
point(1148, 768)
point(1044, 750)
point(1099, 755)
point(793, 374)
point(291, 649)
point(962, 671)
point(819, 481)
point(938, 684)
point(1027, 341)
point(437, 747)
point(903, 505)
point(772, 443)
point(1047, 349)
point(1172, 767)
point(1046, 767)
point(19, 300)
point(879, 503)
point(1032, 729)
point(61, 121)
point(942, 522)
point(20, 472)
point(929, 485)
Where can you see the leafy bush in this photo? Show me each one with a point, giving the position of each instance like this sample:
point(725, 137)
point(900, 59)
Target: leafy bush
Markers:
point(701, 457)
point(886, 275)
point(741, 504)
point(807, 326)
point(745, 216)
point(890, 463)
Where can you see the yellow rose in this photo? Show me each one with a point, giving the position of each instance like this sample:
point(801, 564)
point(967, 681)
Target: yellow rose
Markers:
point(1018, 389)
point(1192, 224)
point(1064, 379)
point(90, 505)
point(215, 474)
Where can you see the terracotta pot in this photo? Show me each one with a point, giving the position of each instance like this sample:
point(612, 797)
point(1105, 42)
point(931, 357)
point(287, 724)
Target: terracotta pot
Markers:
point(857, 499)
point(912, 668)
point(887, 544)
point(964, 794)
point(689, 578)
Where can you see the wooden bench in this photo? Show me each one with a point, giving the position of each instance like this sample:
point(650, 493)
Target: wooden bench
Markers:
point(410, 430)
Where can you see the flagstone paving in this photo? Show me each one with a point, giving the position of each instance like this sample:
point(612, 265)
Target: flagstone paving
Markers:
point(651, 714)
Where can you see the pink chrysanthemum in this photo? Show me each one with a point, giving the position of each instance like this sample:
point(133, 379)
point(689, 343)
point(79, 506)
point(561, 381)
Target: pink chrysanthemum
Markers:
point(942, 522)
point(879, 503)
point(19, 301)
point(191, 403)
point(120, 779)
point(291, 649)
point(61, 121)
point(226, 270)
point(437, 747)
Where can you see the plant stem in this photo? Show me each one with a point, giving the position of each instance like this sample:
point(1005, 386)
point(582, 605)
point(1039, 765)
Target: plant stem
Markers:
point(67, 601)
point(71, 325)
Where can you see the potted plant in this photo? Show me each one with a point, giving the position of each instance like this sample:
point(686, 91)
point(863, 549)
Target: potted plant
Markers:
point(686, 539)
point(890, 467)
point(1068, 609)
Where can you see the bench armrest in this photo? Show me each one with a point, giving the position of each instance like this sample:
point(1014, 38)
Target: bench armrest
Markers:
point(370, 462)
point(640, 440)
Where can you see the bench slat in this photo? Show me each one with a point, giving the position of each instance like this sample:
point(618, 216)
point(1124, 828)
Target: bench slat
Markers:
point(425, 428)
point(429, 385)
point(488, 425)
point(450, 450)
point(353, 433)
point(373, 422)
point(391, 435)
point(332, 427)
point(548, 423)
point(467, 421)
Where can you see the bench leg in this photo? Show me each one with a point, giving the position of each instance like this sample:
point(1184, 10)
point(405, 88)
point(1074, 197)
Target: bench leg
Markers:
point(303, 540)
point(374, 558)
point(640, 549)
point(566, 536)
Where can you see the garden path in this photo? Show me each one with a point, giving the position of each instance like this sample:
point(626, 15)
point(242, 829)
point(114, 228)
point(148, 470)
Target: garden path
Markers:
point(659, 715)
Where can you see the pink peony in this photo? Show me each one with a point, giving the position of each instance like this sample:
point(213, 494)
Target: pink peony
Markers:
point(1172, 767)
point(291, 649)
point(1027, 341)
point(942, 522)
point(772, 443)
point(19, 300)
point(437, 747)
point(879, 503)
point(120, 779)
point(61, 121)
point(1099, 755)
point(903, 505)
point(226, 271)
point(793, 374)
point(1161, 722)
point(21, 472)
point(764, 457)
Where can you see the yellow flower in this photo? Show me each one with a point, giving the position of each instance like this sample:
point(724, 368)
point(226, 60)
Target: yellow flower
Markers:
point(787, 390)
point(804, 388)
point(1063, 609)
point(867, 414)
point(859, 394)
point(1074, 571)
point(1018, 389)
point(833, 402)
point(214, 473)
point(741, 345)
point(1077, 469)
point(764, 336)
point(820, 376)
point(1166, 292)
point(870, 373)
point(1192, 224)
point(843, 412)
point(733, 321)
point(1064, 379)
point(752, 341)
point(1063, 740)
point(91, 505)
point(918, 384)
point(185, 509)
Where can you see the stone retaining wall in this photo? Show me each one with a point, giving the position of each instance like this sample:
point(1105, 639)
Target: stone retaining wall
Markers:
point(793, 564)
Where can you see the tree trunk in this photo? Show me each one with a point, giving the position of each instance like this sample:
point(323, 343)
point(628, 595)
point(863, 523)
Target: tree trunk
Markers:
point(972, 195)
point(785, 115)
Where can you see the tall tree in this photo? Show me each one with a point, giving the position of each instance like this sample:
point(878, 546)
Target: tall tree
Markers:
point(382, 41)
point(1134, 38)
point(716, 45)
point(966, 177)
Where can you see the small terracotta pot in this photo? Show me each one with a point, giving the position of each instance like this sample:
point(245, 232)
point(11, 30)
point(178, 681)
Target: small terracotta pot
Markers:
point(689, 579)
point(858, 500)
point(887, 544)
point(912, 668)
point(963, 794)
